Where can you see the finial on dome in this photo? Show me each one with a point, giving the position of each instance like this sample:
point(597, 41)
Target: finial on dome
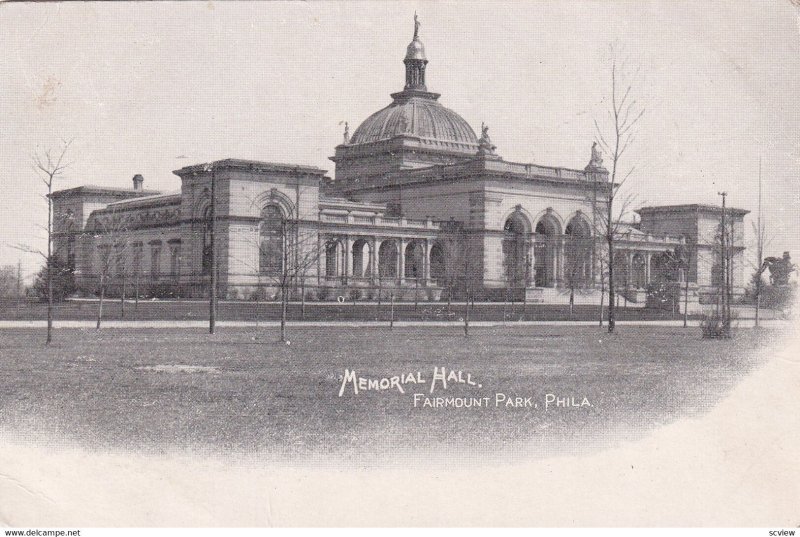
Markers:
point(415, 61)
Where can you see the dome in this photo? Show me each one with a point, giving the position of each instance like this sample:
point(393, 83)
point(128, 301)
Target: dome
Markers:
point(420, 117)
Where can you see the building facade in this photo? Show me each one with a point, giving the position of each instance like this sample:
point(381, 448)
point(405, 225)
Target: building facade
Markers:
point(419, 205)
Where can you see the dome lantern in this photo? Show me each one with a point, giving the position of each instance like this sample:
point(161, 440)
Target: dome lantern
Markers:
point(415, 61)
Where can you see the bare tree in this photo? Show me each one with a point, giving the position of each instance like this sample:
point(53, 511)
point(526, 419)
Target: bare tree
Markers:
point(624, 115)
point(111, 229)
point(288, 249)
point(50, 166)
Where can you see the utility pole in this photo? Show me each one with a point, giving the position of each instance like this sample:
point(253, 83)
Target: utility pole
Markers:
point(19, 284)
point(724, 305)
point(212, 293)
point(759, 246)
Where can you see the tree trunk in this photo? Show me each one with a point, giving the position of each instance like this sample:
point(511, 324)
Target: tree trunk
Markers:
point(122, 298)
point(391, 312)
point(49, 267)
point(284, 307)
point(758, 299)
point(686, 301)
point(524, 302)
point(602, 297)
point(100, 304)
point(571, 301)
point(466, 317)
point(303, 300)
point(611, 297)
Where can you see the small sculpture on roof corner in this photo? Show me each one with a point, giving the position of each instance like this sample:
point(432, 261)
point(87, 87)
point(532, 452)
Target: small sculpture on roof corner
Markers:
point(485, 145)
point(346, 133)
point(597, 157)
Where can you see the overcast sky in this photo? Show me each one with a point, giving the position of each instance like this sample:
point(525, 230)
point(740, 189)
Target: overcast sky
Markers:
point(140, 85)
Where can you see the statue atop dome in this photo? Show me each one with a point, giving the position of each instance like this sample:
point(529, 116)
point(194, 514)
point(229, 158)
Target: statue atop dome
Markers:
point(416, 26)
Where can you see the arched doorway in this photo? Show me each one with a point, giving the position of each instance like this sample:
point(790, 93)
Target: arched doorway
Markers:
point(438, 264)
point(387, 259)
point(545, 254)
point(515, 248)
point(414, 260)
point(578, 248)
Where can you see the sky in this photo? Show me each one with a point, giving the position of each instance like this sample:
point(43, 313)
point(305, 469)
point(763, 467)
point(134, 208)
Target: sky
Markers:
point(151, 87)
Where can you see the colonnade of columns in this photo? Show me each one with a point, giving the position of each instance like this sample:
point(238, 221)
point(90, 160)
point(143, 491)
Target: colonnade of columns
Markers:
point(366, 258)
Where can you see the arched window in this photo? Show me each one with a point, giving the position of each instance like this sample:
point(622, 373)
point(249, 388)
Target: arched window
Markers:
point(271, 241)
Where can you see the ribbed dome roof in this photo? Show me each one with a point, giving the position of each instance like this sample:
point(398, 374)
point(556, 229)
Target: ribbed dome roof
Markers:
point(416, 116)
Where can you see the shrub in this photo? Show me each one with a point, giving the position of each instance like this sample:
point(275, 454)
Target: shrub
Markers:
point(323, 293)
point(63, 281)
point(663, 295)
point(714, 327)
point(165, 290)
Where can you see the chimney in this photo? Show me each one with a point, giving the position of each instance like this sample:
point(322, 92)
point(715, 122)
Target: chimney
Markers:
point(137, 182)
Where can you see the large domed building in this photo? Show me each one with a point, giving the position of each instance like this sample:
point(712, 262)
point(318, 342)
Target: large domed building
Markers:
point(414, 131)
point(420, 206)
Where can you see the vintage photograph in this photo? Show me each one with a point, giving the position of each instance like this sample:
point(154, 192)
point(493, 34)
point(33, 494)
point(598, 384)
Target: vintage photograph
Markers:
point(336, 264)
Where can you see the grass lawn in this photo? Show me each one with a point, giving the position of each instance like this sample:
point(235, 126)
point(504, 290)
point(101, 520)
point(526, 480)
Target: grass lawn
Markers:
point(116, 389)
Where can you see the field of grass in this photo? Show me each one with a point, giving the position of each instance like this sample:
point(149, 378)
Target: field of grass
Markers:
point(245, 392)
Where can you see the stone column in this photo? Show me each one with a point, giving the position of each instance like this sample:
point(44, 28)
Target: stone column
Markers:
point(320, 253)
point(373, 259)
point(348, 252)
point(558, 261)
point(647, 267)
point(426, 271)
point(401, 261)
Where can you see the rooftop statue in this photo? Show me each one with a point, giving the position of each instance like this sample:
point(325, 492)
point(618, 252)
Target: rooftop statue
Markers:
point(485, 132)
point(597, 157)
point(485, 145)
point(416, 25)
